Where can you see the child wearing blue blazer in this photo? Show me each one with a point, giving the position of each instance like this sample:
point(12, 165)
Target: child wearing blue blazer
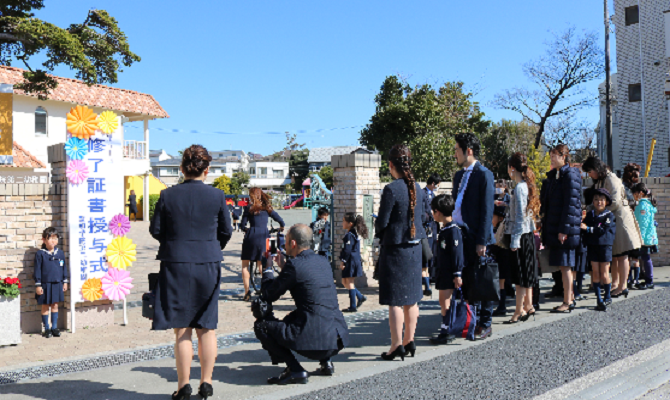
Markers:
point(51, 279)
point(448, 262)
point(350, 257)
point(599, 227)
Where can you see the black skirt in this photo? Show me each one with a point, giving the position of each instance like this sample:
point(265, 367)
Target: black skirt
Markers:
point(523, 263)
point(400, 275)
point(187, 296)
point(52, 293)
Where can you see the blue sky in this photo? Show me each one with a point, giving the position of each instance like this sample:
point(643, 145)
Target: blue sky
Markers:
point(252, 67)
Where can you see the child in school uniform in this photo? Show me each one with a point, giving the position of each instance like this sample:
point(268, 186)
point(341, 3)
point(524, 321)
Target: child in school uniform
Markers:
point(350, 257)
point(51, 278)
point(449, 262)
point(599, 228)
point(237, 213)
point(645, 212)
point(321, 230)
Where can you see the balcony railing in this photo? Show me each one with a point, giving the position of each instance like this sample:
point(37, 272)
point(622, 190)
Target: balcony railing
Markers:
point(135, 150)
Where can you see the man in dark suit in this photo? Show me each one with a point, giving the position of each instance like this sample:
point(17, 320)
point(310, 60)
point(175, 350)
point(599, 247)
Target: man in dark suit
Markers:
point(316, 329)
point(473, 191)
point(430, 191)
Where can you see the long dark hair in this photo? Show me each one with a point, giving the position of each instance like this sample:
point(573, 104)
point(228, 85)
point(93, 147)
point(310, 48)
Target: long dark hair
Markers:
point(631, 174)
point(519, 162)
point(359, 224)
point(401, 158)
point(642, 188)
point(594, 163)
point(259, 201)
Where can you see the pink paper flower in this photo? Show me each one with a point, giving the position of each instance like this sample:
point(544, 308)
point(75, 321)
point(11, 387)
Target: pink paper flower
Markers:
point(119, 225)
point(76, 171)
point(116, 284)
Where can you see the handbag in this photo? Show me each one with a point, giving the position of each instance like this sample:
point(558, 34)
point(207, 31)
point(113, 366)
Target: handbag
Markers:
point(463, 319)
point(483, 282)
point(502, 240)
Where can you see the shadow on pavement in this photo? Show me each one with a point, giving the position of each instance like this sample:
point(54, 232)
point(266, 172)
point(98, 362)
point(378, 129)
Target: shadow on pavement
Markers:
point(78, 389)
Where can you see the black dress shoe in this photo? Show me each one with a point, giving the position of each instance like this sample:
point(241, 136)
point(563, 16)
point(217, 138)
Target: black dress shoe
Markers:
point(640, 286)
point(442, 338)
point(650, 285)
point(206, 390)
point(326, 369)
point(47, 334)
point(55, 332)
point(601, 307)
point(183, 394)
point(288, 377)
point(349, 310)
point(428, 293)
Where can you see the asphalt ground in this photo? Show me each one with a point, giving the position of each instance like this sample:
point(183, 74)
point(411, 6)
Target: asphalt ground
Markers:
point(524, 364)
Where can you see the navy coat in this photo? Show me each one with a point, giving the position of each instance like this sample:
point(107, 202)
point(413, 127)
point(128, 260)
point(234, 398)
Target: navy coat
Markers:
point(477, 205)
point(449, 259)
point(317, 321)
point(561, 207)
point(192, 223)
point(254, 243)
point(392, 225)
point(48, 267)
point(601, 228)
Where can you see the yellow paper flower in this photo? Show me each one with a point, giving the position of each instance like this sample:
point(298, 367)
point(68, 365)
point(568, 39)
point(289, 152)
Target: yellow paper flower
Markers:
point(92, 289)
point(108, 122)
point(121, 252)
point(81, 122)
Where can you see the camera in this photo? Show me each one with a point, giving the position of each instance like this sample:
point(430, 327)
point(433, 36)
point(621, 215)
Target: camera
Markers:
point(273, 247)
point(261, 309)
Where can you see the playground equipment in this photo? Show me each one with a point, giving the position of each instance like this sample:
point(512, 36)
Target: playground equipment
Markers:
point(315, 194)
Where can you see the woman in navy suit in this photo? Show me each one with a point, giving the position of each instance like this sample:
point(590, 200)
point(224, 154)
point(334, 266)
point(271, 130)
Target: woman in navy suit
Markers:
point(192, 223)
point(399, 226)
point(255, 237)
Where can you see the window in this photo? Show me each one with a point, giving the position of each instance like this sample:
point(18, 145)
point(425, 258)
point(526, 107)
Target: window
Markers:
point(252, 170)
point(223, 170)
point(263, 171)
point(278, 173)
point(632, 15)
point(634, 92)
point(170, 171)
point(40, 122)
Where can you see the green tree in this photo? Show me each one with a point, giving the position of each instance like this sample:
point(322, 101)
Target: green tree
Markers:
point(326, 175)
point(223, 183)
point(539, 163)
point(503, 139)
point(298, 167)
point(424, 119)
point(94, 49)
point(238, 182)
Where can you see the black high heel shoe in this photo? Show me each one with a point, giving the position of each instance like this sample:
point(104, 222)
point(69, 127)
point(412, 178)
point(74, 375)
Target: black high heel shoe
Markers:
point(183, 394)
point(528, 314)
point(410, 349)
point(623, 293)
point(206, 390)
point(398, 352)
point(247, 297)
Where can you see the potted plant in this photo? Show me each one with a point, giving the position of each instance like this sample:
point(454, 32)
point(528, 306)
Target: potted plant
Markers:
point(10, 309)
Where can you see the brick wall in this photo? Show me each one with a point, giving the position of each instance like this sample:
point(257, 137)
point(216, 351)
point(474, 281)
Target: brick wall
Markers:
point(660, 188)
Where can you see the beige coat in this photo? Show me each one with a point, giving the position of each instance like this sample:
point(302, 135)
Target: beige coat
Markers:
point(627, 235)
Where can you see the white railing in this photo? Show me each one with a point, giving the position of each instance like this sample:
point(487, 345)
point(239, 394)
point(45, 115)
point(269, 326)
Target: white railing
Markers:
point(135, 150)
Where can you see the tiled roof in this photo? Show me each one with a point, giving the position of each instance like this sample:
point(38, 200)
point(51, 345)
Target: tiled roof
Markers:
point(75, 91)
point(23, 159)
point(323, 154)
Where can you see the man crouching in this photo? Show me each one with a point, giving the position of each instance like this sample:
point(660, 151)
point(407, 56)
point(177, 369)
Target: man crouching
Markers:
point(316, 329)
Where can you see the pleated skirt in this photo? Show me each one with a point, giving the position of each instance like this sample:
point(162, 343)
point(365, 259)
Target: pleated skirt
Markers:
point(53, 293)
point(523, 263)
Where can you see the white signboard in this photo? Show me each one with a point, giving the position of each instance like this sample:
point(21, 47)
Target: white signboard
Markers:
point(91, 205)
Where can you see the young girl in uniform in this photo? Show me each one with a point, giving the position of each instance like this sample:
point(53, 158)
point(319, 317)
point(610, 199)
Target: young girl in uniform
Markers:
point(645, 212)
point(599, 228)
point(51, 278)
point(350, 256)
point(448, 263)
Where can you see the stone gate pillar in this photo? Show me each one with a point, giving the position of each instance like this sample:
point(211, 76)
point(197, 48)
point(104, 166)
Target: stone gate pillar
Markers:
point(354, 177)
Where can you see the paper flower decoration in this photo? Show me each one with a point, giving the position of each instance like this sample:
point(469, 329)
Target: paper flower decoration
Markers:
point(81, 122)
point(119, 225)
point(76, 171)
point(76, 148)
point(92, 289)
point(108, 122)
point(116, 284)
point(121, 252)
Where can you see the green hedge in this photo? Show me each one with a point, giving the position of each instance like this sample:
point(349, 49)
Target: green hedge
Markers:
point(153, 199)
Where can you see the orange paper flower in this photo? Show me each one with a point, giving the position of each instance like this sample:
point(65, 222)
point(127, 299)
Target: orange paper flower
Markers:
point(82, 122)
point(92, 289)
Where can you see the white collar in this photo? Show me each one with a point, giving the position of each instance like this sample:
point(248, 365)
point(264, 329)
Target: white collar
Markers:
point(449, 226)
point(471, 167)
point(602, 214)
point(55, 250)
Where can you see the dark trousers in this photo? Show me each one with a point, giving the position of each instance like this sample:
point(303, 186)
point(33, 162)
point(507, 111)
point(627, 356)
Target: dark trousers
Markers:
point(282, 354)
point(484, 309)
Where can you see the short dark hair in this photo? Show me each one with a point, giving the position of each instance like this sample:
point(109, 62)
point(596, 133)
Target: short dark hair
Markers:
point(434, 179)
point(443, 203)
point(48, 233)
point(323, 211)
point(467, 141)
point(302, 234)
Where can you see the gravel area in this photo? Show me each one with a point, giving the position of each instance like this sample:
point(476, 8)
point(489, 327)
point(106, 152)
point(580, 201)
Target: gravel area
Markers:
point(525, 364)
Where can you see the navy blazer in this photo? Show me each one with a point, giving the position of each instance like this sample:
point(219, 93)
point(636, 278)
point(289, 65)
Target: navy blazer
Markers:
point(50, 267)
point(477, 205)
point(351, 249)
point(192, 223)
point(392, 225)
point(317, 321)
point(601, 229)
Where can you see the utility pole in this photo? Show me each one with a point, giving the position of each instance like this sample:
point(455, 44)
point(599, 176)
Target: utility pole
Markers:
point(608, 100)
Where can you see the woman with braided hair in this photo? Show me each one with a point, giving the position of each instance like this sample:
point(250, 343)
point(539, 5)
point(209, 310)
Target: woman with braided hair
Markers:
point(400, 230)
